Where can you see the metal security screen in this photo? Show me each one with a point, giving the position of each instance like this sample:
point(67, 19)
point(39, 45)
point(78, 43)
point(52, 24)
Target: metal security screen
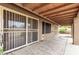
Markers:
point(14, 30)
point(32, 30)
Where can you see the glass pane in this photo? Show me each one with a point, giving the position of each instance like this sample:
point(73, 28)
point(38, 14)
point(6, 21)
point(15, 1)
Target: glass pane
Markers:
point(34, 36)
point(29, 23)
point(48, 27)
point(29, 37)
point(4, 16)
point(20, 38)
point(5, 41)
point(34, 24)
point(8, 41)
point(10, 23)
point(18, 24)
point(11, 38)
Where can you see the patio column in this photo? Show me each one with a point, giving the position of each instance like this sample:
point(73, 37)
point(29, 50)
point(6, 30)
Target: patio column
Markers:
point(72, 32)
point(76, 30)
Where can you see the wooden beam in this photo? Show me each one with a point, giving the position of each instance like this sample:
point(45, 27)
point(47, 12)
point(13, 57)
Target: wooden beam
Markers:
point(46, 7)
point(54, 8)
point(66, 24)
point(62, 9)
point(43, 5)
point(62, 18)
point(71, 14)
point(64, 21)
point(58, 12)
point(65, 12)
point(31, 6)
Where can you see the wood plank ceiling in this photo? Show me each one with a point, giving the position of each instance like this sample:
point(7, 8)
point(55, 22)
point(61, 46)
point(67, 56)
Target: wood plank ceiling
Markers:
point(62, 13)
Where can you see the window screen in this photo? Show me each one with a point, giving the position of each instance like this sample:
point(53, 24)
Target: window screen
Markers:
point(46, 27)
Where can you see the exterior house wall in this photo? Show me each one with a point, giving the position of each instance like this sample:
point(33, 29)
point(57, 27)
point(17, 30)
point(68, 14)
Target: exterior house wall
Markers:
point(54, 27)
point(54, 31)
point(76, 30)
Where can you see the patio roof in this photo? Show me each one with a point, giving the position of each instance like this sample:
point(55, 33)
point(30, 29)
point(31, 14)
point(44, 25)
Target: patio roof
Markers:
point(61, 13)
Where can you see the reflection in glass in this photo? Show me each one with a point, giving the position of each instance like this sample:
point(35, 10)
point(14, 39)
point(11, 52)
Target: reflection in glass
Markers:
point(20, 38)
point(34, 24)
point(19, 24)
point(30, 23)
point(16, 24)
point(29, 37)
point(10, 24)
point(34, 36)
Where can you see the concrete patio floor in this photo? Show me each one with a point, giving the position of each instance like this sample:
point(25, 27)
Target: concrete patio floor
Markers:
point(54, 46)
point(71, 49)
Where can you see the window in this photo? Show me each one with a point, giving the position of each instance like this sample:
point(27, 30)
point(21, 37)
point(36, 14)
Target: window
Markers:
point(46, 27)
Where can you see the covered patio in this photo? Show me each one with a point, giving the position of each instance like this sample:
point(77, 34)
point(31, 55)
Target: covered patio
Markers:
point(32, 28)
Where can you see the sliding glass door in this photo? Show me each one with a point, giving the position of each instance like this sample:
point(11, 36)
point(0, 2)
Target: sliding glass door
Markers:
point(14, 30)
point(32, 30)
point(18, 30)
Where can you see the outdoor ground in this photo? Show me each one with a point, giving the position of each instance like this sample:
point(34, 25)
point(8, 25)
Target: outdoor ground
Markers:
point(61, 45)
